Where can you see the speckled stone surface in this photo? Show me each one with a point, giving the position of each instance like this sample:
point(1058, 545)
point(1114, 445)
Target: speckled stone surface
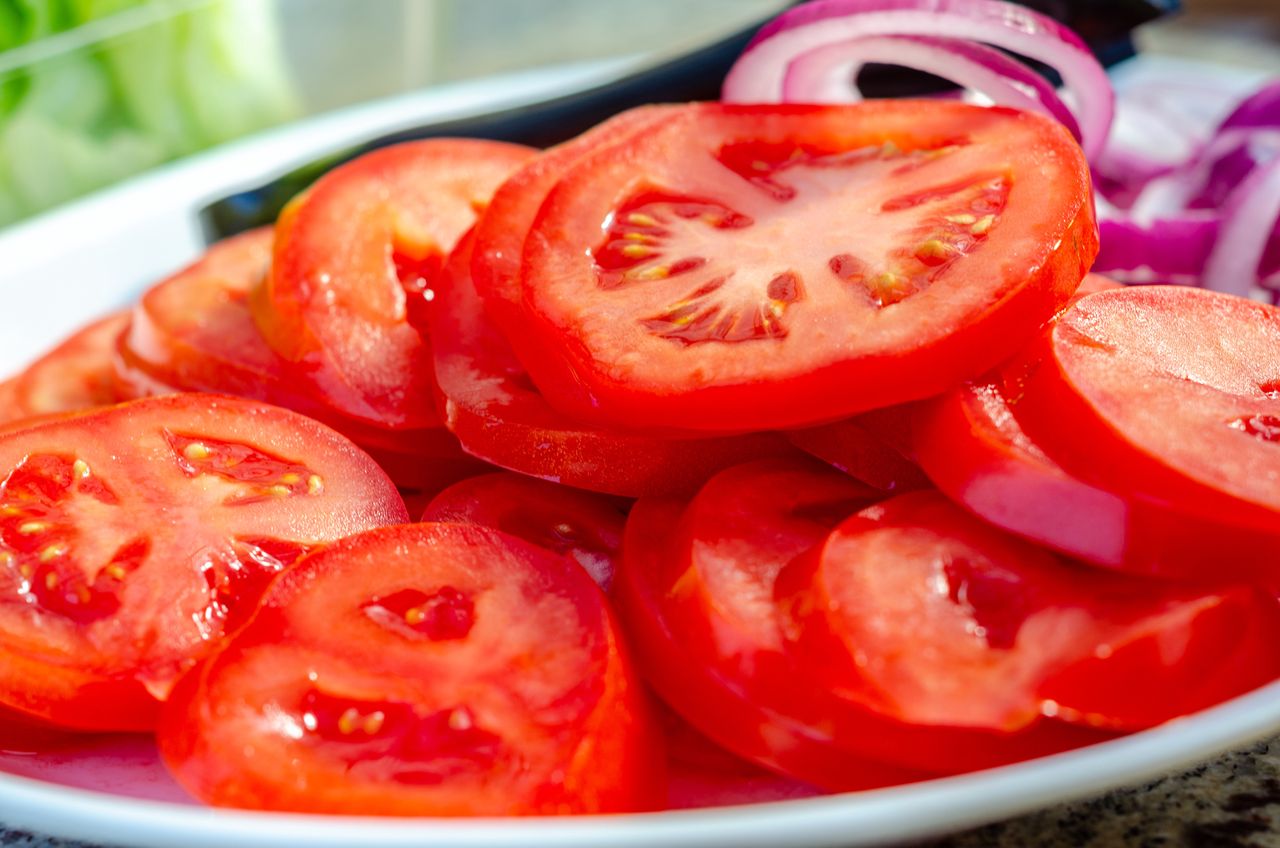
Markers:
point(1230, 802)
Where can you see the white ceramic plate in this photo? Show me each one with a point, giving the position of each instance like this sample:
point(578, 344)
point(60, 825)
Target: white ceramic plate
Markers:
point(62, 269)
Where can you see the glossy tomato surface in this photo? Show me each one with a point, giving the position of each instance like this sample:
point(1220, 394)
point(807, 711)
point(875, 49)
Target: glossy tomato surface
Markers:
point(360, 251)
point(1166, 391)
point(194, 332)
point(431, 669)
point(970, 443)
point(922, 612)
point(132, 538)
point(748, 267)
point(583, 526)
point(499, 416)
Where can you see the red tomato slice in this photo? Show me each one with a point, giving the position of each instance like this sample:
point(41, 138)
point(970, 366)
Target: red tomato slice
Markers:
point(359, 253)
point(194, 332)
point(583, 526)
point(9, 410)
point(429, 670)
point(853, 448)
point(778, 266)
point(501, 230)
point(924, 613)
point(132, 537)
point(971, 445)
point(714, 704)
point(1165, 391)
point(499, 416)
point(77, 374)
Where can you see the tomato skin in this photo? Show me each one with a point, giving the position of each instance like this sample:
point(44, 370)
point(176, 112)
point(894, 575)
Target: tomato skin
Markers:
point(971, 444)
point(741, 724)
point(555, 721)
point(194, 332)
point(850, 446)
point(488, 402)
point(583, 526)
point(991, 633)
point(1124, 392)
point(358, 254)
point(104, 606)
point(813, 370)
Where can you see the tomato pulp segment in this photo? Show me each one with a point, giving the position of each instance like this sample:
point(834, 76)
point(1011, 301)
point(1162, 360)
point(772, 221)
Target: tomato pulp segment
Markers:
point(737, 535)
point(501, 230)
point(922, 612)
point(133, 537)
point(583, 526)
point(499, 416)
point(427, 669)
point(1166, 391)
point(194, 332)
point(77, 374)
point(714, 704)
point(971, 445)
point(359, 253)
point(779, 266)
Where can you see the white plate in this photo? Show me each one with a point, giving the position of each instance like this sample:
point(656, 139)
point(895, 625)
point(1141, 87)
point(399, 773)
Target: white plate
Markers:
point(60, 270)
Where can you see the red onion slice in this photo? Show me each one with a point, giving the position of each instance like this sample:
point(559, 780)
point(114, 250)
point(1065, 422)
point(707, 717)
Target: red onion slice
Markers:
point(829, 74)
point(1249, 220)
point(759, 74)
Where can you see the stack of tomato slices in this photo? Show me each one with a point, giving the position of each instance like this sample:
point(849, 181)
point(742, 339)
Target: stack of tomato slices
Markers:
point(758, 451)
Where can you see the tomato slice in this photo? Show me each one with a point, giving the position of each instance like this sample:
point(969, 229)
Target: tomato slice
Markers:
point(77, 374)
point(852, 447)
point(583, 526)
point(194, 332)
point(133, 537)
point(359, 253)
point(971, 445)
point(922, 612)
point(1169, 392)
point(751, 267)
point(713, 703)
point(500, 417)
point(427, 669)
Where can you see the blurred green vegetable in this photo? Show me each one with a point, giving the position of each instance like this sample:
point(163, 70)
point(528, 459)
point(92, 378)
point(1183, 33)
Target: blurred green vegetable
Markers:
point(92, 91)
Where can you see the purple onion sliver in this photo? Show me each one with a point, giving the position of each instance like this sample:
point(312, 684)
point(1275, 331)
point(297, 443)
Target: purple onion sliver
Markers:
point(1249, 220)
point(1260, 109)
point(828, 74)
point(758, 75)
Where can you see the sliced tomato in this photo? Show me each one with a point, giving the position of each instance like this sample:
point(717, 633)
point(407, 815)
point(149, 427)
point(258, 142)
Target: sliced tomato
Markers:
point(852, 447)
point(924, 613)
point(430, 670)
point(583, 526)
point(750, 267)
point(194, 332)
point(75, 375)
point(501, 230)
point(716, 705)
point(359, 254)
point(971, 445)
point(1164, 391)
point(500, 416)
point(133, 537)
point(9, 409)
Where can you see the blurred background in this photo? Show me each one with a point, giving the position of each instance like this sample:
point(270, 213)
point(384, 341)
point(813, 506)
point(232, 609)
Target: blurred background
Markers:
point(92, 91)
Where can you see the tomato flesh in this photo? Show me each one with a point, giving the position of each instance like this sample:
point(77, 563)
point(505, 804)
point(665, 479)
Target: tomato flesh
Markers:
point(102, 605)
point(1165, 391)
point(970, 443)
point(585, 527)
point(427, 669)
point(195, 332)
point(77, 374)
point(777, 266)
point(500, 416)
point(358, 253)
point(850, 446)
point(924, 613)
point(714, 703)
